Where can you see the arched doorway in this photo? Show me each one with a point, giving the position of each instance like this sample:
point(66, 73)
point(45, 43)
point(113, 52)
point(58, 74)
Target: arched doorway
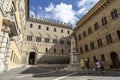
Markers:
point(32, 58)
point(114, 59)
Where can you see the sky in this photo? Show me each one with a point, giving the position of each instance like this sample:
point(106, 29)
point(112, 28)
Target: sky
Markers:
point(68, 11)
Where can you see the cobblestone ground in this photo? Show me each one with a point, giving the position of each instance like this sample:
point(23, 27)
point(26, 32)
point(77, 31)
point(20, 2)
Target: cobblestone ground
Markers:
point(50, 74)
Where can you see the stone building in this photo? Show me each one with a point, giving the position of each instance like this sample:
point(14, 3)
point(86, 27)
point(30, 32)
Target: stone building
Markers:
point(98, 34)
point(46, 42)
point(12, 23)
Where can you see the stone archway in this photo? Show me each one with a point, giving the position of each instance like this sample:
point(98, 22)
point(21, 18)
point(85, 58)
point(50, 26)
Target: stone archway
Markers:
point(115, 59)
point(32, 57)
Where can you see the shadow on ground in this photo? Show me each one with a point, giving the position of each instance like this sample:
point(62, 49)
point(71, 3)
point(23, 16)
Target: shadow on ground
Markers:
point(38, 72)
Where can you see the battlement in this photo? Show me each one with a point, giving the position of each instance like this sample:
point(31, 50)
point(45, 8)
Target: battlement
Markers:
point(50, 22)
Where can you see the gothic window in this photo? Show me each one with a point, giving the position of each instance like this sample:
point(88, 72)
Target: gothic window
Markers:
point(109, 38)
point(99, 41)
point(29, 38)
point(47, 40)
point(84, 34)
point(86, 48)
point(54, 41)
point(96, 26)
point(114, 14)
point(38, 39)
point(89, 31)
point(92, 45)
point(104, 21)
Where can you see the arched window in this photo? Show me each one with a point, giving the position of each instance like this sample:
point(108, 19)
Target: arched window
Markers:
point(55, 39)
point(118, 33)
point(29, 38)
point(104, 21)
point(38, 38)
point(84, 34)
point(114, 14)
point(47, 38)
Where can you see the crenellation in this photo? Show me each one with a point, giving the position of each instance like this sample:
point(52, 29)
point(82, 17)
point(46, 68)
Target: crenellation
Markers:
point(53, 22)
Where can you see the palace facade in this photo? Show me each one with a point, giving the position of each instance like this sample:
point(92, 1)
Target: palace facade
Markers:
point(46, 42)
point(98, 34)
point(12, 23)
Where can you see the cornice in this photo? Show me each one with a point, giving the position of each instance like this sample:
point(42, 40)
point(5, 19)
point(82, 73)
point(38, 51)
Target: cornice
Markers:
point(50, 22)
point(91, 13)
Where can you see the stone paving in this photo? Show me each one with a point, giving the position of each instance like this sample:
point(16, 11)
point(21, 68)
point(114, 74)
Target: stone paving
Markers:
point(48, 74)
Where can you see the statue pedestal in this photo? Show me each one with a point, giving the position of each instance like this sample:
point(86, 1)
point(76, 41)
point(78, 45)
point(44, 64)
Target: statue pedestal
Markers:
point(74, 62)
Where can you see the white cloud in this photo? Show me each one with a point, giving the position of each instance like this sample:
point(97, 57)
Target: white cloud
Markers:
point(81, 11)
point(81, 3)
point(64, 12)
point(61, 12)
point(49, 8)
point(86, 3)
point(32, 13)
point(85, 6)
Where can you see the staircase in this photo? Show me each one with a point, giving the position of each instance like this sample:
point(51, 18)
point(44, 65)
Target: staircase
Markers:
point(40, 68)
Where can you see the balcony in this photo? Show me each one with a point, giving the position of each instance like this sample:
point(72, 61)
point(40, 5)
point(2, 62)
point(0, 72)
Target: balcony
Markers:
point(10, 20)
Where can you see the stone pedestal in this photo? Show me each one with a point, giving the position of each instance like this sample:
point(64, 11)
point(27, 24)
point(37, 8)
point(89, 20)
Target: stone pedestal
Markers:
point(74, 62)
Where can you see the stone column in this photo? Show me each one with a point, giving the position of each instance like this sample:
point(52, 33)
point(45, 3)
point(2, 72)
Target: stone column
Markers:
point(73, 54)
point(3, 49)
